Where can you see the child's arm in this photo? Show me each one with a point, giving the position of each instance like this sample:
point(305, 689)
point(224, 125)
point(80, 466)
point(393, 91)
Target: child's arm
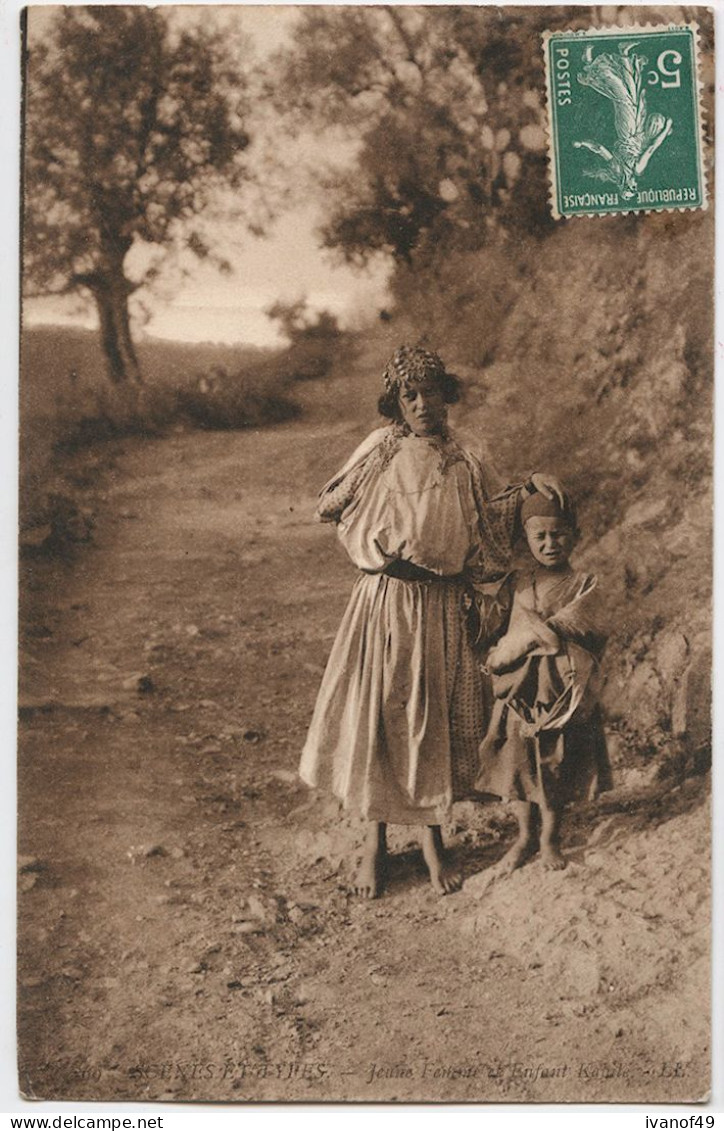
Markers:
point(532, 635)
point(580, 619)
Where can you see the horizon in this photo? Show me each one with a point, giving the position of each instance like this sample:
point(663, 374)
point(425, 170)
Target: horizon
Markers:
point(146, 338)
point(284, 267)
point(197, 324)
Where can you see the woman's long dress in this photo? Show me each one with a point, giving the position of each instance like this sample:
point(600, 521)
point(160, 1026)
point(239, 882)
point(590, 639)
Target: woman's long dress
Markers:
point(402, 707)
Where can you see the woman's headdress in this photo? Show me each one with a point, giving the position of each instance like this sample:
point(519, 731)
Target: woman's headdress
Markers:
point(410, 365)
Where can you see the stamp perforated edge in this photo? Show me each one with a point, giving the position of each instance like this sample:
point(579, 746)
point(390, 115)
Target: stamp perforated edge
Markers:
point(634, 29)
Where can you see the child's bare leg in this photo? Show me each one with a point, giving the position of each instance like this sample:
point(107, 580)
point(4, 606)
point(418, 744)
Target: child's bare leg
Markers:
point(524, 846)
point(550, 851)
point(371, 874)
point(443, 876)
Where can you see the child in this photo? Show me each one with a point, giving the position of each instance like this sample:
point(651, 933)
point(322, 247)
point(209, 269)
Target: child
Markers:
point(545, 746)
point(400, 713)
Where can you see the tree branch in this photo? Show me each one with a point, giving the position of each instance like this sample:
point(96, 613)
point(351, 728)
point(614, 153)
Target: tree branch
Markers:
point(407, 40)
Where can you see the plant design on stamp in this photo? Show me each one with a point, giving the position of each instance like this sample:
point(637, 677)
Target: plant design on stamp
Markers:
point(639, 134)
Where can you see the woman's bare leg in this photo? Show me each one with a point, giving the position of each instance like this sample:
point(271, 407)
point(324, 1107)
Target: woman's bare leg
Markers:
point(524, 846)
point(372, 872)
point(443, 876)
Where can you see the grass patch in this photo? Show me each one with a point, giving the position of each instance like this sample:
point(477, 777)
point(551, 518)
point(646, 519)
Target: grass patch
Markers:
point(67, 403)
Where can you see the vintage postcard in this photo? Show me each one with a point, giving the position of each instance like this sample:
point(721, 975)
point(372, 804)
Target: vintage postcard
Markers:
point(366, 524)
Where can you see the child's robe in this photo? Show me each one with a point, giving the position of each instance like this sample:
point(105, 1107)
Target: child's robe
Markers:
point(545, 743)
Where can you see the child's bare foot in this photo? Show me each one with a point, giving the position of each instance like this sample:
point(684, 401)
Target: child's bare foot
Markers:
point(516, 857)
point(551, 858)
point(444, 877)
point(370, 878)
point(524, 846)
point(550, 853)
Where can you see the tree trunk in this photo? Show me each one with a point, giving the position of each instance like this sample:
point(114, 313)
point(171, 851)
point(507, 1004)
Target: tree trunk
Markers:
point(111, 294)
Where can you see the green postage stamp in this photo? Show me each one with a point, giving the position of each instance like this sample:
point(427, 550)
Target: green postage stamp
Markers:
point(624, 120)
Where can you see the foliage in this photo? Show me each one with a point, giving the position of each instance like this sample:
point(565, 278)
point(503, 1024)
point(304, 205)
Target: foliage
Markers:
point(229, 401)
point(445, 104)
point(606, 381)
point(315, 341)
point(130, 127)
point(298, 324)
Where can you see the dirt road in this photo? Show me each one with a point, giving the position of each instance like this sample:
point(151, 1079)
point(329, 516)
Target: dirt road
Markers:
point(185, 927)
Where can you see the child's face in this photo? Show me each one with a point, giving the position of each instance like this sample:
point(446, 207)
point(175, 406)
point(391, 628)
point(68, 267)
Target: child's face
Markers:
point(550, 540)
point(423, 408)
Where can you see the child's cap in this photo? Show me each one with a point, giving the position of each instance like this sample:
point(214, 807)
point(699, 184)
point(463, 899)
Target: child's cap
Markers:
point(538, 504)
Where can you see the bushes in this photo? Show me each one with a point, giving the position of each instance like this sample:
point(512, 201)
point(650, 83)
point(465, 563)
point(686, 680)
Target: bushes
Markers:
point(315, 343)
point(67, 405)
point(218, 401)
point(65, 396)
point(109, 413)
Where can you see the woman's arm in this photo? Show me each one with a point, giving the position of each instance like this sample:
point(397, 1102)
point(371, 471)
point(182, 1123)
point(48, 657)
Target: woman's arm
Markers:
point(499, 517)
point(547, 485)
point(340, 490)
point(505, 505)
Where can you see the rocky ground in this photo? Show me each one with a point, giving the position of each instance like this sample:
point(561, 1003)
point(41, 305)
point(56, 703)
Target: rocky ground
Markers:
point(185, 928)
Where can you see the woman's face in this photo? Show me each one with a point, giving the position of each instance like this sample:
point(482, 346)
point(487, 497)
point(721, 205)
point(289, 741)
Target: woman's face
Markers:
point(423, 408)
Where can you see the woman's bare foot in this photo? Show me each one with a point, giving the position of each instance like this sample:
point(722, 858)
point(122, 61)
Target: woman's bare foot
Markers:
point(369, 881)
point(444, 877)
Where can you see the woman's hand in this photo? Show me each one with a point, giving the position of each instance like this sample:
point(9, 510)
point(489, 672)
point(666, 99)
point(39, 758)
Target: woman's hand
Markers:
point(549, 486)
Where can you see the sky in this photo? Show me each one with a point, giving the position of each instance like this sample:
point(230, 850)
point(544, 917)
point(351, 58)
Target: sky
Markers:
point(287, 265)
point(213, 307)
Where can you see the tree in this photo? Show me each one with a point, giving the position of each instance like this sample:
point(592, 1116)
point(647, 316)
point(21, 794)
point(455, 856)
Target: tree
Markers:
point(298, 324)
point(445, 105)
point(316, 341)
point(131, 124)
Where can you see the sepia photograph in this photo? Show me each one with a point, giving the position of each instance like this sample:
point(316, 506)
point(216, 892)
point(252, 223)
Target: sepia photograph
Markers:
point(365, 554)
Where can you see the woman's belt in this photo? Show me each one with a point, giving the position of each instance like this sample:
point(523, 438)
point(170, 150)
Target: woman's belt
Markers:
point(408, 571)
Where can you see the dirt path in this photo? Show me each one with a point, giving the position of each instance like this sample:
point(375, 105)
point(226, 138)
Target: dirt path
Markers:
point(185, 929)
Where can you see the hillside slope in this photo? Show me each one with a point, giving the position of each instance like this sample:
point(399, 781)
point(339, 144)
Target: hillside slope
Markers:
point(596, 363)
